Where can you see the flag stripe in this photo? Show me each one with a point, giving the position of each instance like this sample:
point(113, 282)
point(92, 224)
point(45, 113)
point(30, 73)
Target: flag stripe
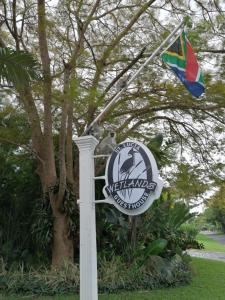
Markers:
point(192, 64)
point(182, 60)
point(195, 88)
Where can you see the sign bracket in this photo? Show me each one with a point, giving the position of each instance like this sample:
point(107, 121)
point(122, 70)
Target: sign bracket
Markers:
point(107, 200)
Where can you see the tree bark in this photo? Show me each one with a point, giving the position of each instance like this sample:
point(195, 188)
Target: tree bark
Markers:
point(62, 248)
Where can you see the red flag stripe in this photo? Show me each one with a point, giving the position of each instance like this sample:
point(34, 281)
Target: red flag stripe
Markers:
point(192, 64)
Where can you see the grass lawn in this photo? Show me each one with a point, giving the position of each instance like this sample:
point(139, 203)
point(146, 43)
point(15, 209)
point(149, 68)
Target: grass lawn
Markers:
point(208, 283)
point(210, 244)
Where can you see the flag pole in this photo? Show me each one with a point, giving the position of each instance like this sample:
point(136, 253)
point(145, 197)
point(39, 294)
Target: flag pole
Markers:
point(116, 97)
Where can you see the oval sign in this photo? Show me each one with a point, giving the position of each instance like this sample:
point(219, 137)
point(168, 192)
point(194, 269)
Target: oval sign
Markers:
point(132, 178)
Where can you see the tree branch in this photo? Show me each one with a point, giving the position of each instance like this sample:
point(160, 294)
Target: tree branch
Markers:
point(221, 51)
point(15, 32)
point(47, 81)
point(102, 62)
point(124, 71)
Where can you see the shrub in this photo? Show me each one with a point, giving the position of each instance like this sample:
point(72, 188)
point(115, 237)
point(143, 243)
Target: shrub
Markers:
point(165, 220)
point(186, 237)
point(41, 281)
point(114, 275)
point(182, 243)
point(189, 230)
point(126, 236)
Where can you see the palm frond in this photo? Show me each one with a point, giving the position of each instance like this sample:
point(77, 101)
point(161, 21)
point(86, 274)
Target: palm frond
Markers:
point(17, 67)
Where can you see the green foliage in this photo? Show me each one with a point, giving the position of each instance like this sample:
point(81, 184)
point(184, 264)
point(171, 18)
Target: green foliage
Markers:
point(154, 145)
point(190, 230)
point(186, 237)
point(43, 281)
point(17, 67)
point(206, 284)
point(70, 208)
point(217, 207)
point(213, 218)
point(164, 220)
point(14, 128)
point(114, 275)
point(132, 277)
point(113, 232)
point(26, 222)
point(182, 242)
point(42, 228)
point(17, 198)
point(158, 231)
point(179, 214)
point(42, 222)
point(162, 150)
point(207, 221)
point(188, 21)
point(154, 248)
point(195, 186)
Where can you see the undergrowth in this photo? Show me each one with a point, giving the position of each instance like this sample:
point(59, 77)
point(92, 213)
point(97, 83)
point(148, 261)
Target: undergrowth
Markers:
point(114, 275)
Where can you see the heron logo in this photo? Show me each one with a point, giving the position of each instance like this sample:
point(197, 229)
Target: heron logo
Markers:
point(132, 178)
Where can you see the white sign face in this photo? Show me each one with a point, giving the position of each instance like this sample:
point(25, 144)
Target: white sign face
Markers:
point(132, 179)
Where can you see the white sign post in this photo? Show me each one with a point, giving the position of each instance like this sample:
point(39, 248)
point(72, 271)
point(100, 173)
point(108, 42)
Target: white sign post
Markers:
point(132, 184)
point(88, 250)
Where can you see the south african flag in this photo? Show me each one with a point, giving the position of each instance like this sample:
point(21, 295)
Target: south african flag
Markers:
point(182, 60)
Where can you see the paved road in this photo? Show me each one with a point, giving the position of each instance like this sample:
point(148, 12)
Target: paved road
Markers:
point(207, 254)
point(217, 237)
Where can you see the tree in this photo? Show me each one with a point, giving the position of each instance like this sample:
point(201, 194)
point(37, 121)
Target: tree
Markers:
point(217, 206)
point(84, 49)
point(20, 188)
point(188, 183)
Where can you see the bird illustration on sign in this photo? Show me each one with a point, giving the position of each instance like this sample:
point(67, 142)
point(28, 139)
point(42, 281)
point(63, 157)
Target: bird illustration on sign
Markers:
point(128, 166)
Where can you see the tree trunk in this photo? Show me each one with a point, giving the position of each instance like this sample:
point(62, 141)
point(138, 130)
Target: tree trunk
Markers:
point(62, 243)
point(62, 248)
